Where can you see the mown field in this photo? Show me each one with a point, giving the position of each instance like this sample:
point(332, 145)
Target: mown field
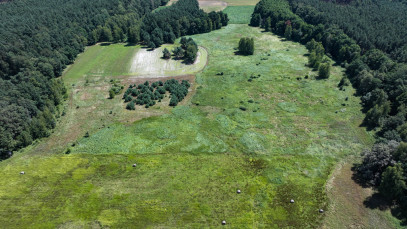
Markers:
point(239, 14)
point(260, 123)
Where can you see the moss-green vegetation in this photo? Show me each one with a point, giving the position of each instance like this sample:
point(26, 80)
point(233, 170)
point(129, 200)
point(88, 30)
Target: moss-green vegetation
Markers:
point(191, 160)
point(115, 89)
point(239, 14)
point(146, 94)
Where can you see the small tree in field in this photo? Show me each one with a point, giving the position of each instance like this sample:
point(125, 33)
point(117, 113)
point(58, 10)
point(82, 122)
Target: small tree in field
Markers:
point(324, 70)
point(246, 46)
point(166, 54)
point(111, 94)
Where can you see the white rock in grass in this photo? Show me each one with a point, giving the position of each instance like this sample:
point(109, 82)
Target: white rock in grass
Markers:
point(224, 222)
point(238, 191)
point(321, 211)
point(291, 201)
point(22, 173)
point(134, 165)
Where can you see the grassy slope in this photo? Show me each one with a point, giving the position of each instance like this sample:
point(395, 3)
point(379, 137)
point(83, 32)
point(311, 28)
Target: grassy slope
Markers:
point(192, 159)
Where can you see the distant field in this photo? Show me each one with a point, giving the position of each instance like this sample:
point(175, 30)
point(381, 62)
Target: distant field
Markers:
point(213, 5)
point(209, 6)
point(242, 2)
point(239, 14)
point(255, 124)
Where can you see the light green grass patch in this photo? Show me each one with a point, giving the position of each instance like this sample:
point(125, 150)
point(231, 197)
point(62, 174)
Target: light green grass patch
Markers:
point(242, 2)
point(239, 14)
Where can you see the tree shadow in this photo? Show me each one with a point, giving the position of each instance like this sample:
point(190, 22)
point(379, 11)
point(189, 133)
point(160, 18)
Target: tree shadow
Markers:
point(376, 201)
point(105, 44)
point(241, 54)
point(400, 214)
point(130, 45)
point(357, 177)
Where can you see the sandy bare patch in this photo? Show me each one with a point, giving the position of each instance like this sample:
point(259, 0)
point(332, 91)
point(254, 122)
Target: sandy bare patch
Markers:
point(149, 63)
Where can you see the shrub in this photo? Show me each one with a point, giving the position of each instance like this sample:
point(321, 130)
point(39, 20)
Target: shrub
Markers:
point(324, 71)
point(131, 106)
point(246, 46)
point(166, 54)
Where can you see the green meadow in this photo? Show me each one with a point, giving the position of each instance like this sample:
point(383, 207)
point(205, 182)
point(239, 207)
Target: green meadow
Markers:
point(262, 124)
point(239, 14)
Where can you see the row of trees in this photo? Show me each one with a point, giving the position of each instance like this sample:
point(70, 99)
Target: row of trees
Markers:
point(181, 19)
point(378, 79)
point(163, 26)
point(373, 24)
point(317, 59)
point(146, 94)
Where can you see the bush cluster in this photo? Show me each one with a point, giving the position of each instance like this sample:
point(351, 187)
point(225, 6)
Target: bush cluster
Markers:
point(146, 94)
point(187, 51)
point(115, 89)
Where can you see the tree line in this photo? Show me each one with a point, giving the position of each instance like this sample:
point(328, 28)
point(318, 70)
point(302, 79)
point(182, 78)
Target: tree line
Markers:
point(372, 24)
point(379, 80)
point(39, 38)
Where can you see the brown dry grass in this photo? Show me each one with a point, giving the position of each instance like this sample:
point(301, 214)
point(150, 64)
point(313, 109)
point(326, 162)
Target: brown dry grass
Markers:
point(346, 201)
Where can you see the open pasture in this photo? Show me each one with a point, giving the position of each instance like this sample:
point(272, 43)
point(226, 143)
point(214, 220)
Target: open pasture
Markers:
point(239, 14)
point(260, 123)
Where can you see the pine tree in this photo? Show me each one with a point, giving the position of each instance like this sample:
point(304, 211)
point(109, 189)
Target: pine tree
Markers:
point(267, 24)
point(166, 54)
point(288, 31)
point(255, 20)
point(324, 70)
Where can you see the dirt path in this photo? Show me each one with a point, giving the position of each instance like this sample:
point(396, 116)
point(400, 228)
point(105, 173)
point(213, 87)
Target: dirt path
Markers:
point(346, 207)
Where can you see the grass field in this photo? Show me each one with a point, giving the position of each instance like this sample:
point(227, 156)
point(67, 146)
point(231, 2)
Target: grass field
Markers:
point(213, 5)
point(239, 14)
point(255, 123)
point(242, 2)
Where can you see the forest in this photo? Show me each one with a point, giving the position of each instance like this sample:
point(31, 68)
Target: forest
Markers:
point(39, 39)
point(374, 57)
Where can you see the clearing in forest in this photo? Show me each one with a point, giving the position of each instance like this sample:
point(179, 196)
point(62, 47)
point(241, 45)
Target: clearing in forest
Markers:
point(261, 124)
